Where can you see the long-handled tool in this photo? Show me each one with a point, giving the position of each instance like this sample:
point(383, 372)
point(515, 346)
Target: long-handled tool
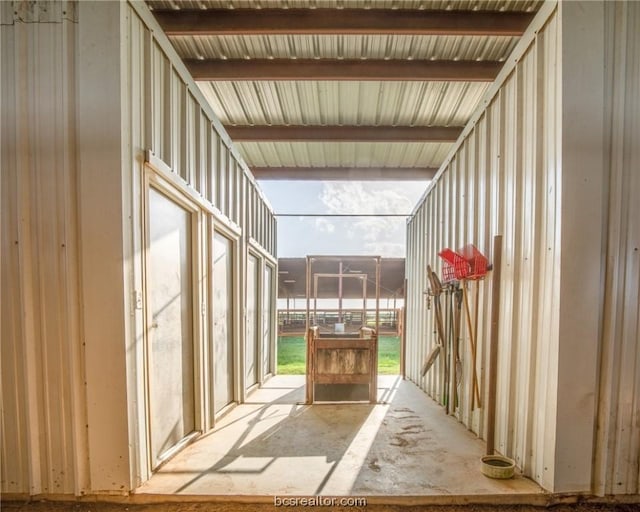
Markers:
point(447, 392)
point(475, 392)
point(456, 359)
point(476, 307)
point(435, 291)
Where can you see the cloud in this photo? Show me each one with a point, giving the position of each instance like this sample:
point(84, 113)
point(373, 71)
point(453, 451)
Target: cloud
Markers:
point(376, 235)
point(388, 249)
point(324, 225)
point(353, 197)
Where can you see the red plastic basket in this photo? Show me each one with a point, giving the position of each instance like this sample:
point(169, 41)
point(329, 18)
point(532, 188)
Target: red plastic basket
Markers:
point(454, 266)
point(476, 260)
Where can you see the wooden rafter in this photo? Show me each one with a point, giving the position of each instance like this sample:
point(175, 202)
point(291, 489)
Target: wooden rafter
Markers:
point(344, 173)
point(343, 21)
point(344, 133)
point(329, 69)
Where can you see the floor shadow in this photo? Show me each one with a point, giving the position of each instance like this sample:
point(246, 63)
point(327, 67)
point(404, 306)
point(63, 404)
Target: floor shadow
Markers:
point(404, 445)
point(324, 431)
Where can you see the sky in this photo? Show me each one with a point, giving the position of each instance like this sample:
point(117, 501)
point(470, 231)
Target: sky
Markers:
point(383, 236)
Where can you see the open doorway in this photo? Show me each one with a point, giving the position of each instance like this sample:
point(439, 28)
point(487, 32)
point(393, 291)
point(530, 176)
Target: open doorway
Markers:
point(344, 302)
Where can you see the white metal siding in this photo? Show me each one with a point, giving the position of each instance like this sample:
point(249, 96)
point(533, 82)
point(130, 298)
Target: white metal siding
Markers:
point(506, 176)
point(167, 115)
point(58, 433)
point(618, 440)
point(43, 403)
point(183, 131)
point(501, 180)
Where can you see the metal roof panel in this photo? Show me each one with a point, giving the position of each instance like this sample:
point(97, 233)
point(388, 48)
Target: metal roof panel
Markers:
point(458, 5)
point(339, 46)
point(337, 154)
point(344, 103)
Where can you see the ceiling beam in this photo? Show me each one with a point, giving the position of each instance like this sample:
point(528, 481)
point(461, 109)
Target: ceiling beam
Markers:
point(345, 173)
point(342, 21)
point(344, 133)
point(330, 69)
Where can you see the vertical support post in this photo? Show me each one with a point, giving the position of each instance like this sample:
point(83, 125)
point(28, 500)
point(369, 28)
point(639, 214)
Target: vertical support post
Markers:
point(394, 316)
point(373, 370)
point(340, 293)
point(373, 381)
point(403, 333)
point(377, 294)
point(583, 208)
point(308, 290)
point(364, 300)
point(493, 343)
point(307, 331)
point(315, 300)
point(101, 131)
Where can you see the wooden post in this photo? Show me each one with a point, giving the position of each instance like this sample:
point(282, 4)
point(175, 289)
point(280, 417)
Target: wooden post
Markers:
point(340, 293)
point(377, 295)
point(364, 300)
point(493, 344)
point(403, 333)
point(315, 300)
point(307, 332)
point(288, 309)
point(308, 289)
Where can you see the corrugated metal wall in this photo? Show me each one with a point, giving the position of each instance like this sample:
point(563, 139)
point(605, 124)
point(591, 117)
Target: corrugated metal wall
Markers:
point(168, 116)
point(58, 377)
point(43, 404)
point(501, 180)
point(506, 177)
point(171, 118)
point(618, 440)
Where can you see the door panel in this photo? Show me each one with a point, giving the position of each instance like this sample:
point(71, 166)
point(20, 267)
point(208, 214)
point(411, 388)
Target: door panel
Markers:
point(171, 358)
point(251, 339)
point(222, 322)
point(267, 310)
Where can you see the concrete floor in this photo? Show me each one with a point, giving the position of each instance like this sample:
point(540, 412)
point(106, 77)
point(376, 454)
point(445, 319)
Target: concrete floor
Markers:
point(275, 446)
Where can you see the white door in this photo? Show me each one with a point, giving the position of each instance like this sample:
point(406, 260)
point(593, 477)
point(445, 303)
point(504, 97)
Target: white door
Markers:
point(222, 382)
point(267, 321)
point(171, 359)
point(251, 338)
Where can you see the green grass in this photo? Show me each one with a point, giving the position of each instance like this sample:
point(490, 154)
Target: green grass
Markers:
point(389, 355)
point(292, 353)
